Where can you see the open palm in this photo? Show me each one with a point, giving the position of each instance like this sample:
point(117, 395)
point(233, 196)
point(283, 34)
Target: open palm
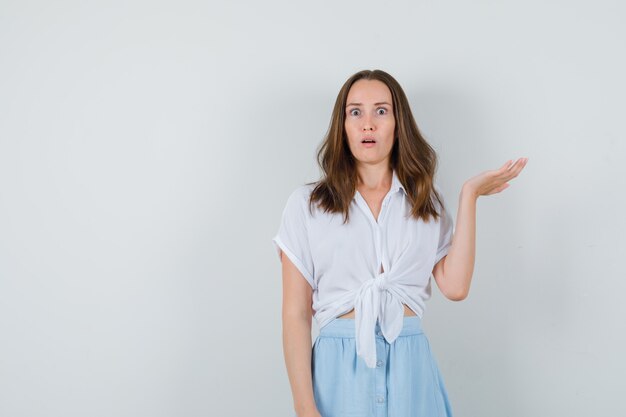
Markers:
point(494, 181)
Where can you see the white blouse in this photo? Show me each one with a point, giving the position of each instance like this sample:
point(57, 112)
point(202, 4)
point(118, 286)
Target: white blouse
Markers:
point(342, 262)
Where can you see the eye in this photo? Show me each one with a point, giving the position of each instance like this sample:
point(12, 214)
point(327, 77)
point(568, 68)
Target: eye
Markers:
point(383, 109)
point(352, 112)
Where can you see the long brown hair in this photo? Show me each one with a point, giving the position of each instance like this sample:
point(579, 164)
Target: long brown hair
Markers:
point(414, 160)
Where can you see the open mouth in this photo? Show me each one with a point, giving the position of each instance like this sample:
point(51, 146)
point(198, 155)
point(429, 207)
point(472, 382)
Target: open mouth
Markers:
point(368, 141)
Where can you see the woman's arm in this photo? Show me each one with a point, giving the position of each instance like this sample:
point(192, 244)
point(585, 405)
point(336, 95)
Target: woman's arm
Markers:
point(296, 316)
point(453, 273)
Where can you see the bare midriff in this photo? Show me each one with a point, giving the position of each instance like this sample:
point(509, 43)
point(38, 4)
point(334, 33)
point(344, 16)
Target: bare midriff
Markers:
point(350, 314)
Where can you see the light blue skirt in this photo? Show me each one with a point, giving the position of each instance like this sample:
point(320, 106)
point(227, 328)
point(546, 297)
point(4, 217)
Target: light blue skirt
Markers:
point(405, 383)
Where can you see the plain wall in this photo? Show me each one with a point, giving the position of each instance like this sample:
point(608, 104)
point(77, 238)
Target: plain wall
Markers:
point(147, 150)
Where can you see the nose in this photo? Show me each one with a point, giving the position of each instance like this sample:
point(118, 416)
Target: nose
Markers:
point(367, 124)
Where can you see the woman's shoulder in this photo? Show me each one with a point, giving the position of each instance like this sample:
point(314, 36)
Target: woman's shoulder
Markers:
point(301, 193)
point(298, 199)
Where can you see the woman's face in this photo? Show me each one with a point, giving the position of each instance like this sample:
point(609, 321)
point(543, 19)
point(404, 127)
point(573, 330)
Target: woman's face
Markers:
point(369, 115)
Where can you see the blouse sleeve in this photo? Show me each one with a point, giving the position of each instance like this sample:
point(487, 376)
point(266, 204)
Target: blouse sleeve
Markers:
point(446, 230)
point(293, 238)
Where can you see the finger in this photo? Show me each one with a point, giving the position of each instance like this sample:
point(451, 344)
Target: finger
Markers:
point(509, 170)
point(519, 166)
point(510, 175)
point(506, 166)
point(515, 164)
point(514, 168)
point(504, 170)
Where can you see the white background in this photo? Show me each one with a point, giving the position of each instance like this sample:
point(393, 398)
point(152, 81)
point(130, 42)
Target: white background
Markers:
point(147, 150)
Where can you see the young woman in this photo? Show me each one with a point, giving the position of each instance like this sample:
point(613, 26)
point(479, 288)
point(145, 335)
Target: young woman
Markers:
point(361, 246)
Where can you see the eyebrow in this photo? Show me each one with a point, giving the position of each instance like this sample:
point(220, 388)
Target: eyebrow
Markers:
point(360, 104)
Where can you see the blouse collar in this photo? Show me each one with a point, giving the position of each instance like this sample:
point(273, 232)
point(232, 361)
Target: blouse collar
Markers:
point(396, 185)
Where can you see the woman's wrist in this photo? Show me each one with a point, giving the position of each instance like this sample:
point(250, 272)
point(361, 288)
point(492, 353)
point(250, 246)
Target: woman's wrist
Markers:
point(468, 191)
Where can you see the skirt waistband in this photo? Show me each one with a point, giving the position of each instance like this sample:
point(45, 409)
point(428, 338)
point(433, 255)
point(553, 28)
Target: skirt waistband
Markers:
point(345, 327)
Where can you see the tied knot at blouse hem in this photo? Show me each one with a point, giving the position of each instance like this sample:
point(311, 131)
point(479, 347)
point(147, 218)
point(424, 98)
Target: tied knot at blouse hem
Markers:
point(342, 262)
point(376, 300)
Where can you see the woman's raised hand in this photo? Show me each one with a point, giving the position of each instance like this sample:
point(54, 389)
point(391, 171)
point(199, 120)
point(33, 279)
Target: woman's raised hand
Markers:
point(494, 181)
